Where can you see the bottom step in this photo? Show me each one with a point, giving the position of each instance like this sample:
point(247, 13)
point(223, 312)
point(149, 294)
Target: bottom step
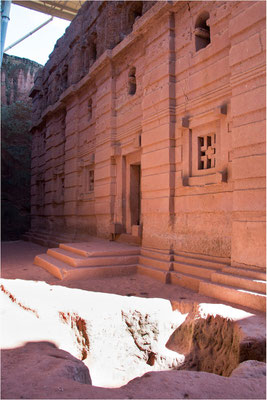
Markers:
point(63, 271)
point(155, 273)
point(185, 280)
point(245, 298)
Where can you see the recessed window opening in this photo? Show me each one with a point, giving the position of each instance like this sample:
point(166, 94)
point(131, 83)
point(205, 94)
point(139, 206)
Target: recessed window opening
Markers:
point(137, 14)
point(91, 180)
point(93, 46)
point(132, 81)
point(94, 51)
point(90, 109)
point(62, 187)
point(207, 151)
point(65, 76)
point(134, 13)
point(202, 31)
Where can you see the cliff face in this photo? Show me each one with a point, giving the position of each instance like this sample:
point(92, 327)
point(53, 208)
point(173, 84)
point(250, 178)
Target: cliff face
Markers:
point(16, 80)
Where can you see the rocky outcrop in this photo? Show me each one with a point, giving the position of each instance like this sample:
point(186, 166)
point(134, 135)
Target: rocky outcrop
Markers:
point(17, 76)
point(117, 337)
point(46, 357)
point(209, 344)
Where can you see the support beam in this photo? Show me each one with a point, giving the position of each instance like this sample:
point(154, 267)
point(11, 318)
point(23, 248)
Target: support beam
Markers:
point(5, 10)
point(29, 34)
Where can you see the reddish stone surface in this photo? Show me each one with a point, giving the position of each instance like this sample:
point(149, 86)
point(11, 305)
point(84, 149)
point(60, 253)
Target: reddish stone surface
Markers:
point(17, 79)
point(151, 126)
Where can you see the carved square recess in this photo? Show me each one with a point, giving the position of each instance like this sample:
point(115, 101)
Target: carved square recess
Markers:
point(203, 160)
point(206, 151)
point(90, 180)
point(86, 177)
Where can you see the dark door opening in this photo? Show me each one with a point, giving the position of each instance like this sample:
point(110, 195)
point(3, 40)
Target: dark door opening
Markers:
point(135, 195)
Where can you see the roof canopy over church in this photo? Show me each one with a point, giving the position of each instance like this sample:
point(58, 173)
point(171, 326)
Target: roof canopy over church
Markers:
point(57, 8)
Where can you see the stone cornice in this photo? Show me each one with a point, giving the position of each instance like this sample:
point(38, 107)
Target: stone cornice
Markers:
point(243, 77)
point(223, 91)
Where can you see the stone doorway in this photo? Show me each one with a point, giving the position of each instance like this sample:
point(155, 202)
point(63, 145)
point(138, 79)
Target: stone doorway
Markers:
point(127, 226)
point(135, 198)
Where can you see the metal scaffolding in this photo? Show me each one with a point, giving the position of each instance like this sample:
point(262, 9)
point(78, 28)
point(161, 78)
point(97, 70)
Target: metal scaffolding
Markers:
point(55, 8)
point(5, 10)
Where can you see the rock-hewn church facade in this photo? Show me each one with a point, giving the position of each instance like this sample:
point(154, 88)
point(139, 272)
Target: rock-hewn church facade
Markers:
point(149, 127)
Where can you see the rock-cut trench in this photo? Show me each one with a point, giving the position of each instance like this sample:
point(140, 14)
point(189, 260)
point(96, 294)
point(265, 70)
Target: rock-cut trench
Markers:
point(120, 338)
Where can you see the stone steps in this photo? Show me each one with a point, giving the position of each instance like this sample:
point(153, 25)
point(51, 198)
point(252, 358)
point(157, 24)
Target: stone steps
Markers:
point(240, 282)
point(186, 280)
point(204, 257)
point(89, 250)
point(196, 270)
point(206, 275)
point(160, 255)
point(37, 239)
point(77, 260)
point(250, 273)
point(195, 261)
point(62, 270)
point(155, 263)
point(212, 277)
point(155, 273)
point(45, 239)
point(250, 299)
point(96, 258)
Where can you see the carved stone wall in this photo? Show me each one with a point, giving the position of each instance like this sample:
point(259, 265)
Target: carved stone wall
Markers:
point(153, 125)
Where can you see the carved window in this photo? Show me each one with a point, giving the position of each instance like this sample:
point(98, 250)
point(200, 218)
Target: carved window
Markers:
point(90, 179)
point(202, 31)
point(86, 178)
point(90, 109)
point(94, 51)
point(64, 76)
point(63, 125)
point(207, 151)
point(135, 12)
point(132, 81)
point(93, 47)
point(205, 154)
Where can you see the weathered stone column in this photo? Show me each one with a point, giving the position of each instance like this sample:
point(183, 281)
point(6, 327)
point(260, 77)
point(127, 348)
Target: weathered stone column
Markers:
point(247, 62)
point(104, 162)
point(158, 126)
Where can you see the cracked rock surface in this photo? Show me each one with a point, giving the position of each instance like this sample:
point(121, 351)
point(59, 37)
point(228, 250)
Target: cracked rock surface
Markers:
point(56, 340)
point(118, 338)
point(69, 343)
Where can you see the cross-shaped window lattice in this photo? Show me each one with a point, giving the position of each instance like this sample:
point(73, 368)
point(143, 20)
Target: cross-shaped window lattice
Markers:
point(207, 151)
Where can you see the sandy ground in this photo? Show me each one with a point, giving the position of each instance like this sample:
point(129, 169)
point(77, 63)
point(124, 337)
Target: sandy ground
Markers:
point(23, 378)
